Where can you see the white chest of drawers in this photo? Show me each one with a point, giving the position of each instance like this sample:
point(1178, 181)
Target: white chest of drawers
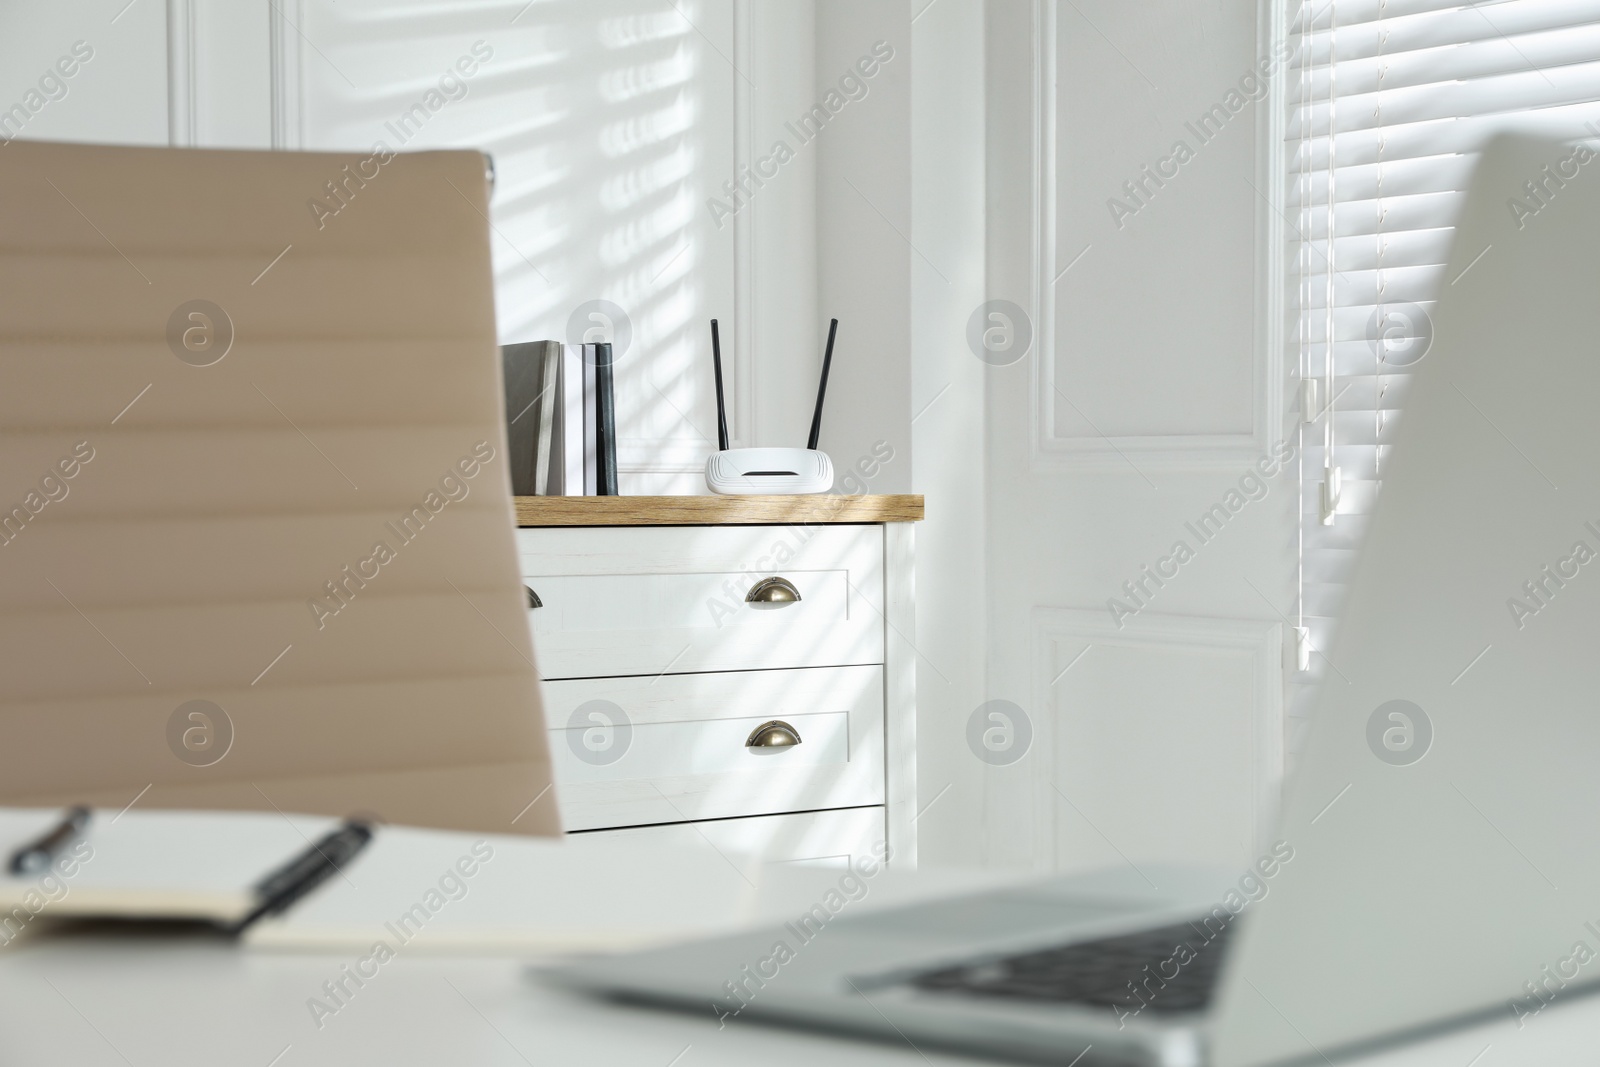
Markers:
point(735, 668)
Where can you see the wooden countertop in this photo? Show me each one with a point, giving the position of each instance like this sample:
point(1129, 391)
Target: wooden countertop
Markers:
point(714, 510)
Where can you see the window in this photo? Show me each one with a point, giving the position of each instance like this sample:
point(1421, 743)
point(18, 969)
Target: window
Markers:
point(1393, 100)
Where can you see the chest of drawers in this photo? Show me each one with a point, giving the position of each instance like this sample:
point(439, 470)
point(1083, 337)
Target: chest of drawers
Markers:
point(737, 668)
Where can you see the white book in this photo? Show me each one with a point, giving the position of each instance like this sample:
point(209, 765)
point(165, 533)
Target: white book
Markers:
point(545, 451)
point(573, 424)
point(591, 424)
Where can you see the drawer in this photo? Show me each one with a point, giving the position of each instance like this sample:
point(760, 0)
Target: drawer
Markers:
point(823, 838)
point(644, 600)
point(632, 751)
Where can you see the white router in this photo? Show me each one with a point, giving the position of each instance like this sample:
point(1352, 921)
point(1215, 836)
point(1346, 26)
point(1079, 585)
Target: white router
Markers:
point(756, 471)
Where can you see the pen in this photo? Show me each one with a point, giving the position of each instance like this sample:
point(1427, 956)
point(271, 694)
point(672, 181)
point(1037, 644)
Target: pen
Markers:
point(278, 890)
point(36, 855)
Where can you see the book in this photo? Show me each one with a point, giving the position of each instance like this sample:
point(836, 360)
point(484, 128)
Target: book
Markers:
point(522, 366)
point(545, 454)
point(570, 419)
point(560, 419)
point(605, 422)
point(591, 423)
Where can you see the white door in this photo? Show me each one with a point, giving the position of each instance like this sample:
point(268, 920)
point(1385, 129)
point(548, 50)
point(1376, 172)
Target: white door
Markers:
point(1140, 523)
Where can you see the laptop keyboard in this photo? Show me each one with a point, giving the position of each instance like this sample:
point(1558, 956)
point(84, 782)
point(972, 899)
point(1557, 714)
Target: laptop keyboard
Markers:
point(1164, 971)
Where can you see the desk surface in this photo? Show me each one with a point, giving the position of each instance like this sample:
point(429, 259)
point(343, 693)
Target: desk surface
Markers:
point(117, 1002)
point(133, 1002)
point(163, 1000)
point(821, 508)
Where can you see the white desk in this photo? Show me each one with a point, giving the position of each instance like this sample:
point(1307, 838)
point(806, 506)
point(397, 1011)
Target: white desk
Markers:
point(172, 1001)
point(98, 1003)
point(160, 1003)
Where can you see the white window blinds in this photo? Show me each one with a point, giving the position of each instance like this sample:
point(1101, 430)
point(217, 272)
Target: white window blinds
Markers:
point(1393, 100)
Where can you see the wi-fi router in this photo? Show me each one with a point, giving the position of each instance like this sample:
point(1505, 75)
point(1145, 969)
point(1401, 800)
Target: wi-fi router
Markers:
point(755, 471)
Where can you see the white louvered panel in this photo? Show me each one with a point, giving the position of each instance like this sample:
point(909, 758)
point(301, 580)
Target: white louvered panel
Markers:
point(1498, 94)
point(1357, 495)
point(1359, 180)
point(1362, 253)
point(1423, 140)
point(1415, 211)
point(1361, 289)
point(1537, 33)
point(1390, 102)
point(1356, 428)
point(1361, 392)
point(1353, 353)
point(1419, 59)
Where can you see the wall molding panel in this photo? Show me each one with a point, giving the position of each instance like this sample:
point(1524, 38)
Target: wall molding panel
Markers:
point(1051, 451)
point(288, 86)
point(1171, 648)
point(182, 73)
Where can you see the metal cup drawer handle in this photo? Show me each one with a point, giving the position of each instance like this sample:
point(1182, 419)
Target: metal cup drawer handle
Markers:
point(774, 733)
point(772, 592)
point(533, 598)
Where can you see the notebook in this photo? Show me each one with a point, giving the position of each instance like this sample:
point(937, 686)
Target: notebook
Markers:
point(441, 890)
point(167, 865)
point(437, 891)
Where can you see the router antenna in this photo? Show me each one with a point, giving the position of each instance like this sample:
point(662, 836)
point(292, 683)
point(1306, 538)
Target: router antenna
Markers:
point(822, 386)
point(722, 412)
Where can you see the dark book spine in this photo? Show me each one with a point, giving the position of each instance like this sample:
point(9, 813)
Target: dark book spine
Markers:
point(521, 368)
point(604, 393)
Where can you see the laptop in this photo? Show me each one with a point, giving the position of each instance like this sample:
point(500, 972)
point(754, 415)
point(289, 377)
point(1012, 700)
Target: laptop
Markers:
point(1434, 862)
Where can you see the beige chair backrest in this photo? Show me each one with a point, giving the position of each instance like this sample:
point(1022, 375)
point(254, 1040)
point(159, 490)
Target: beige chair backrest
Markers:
point(256, 537)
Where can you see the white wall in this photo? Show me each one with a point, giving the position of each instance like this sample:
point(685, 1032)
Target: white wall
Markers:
point(866, 265)
point(948, 389)
point(610, 126)
point(118, 95)
point(613, 124)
